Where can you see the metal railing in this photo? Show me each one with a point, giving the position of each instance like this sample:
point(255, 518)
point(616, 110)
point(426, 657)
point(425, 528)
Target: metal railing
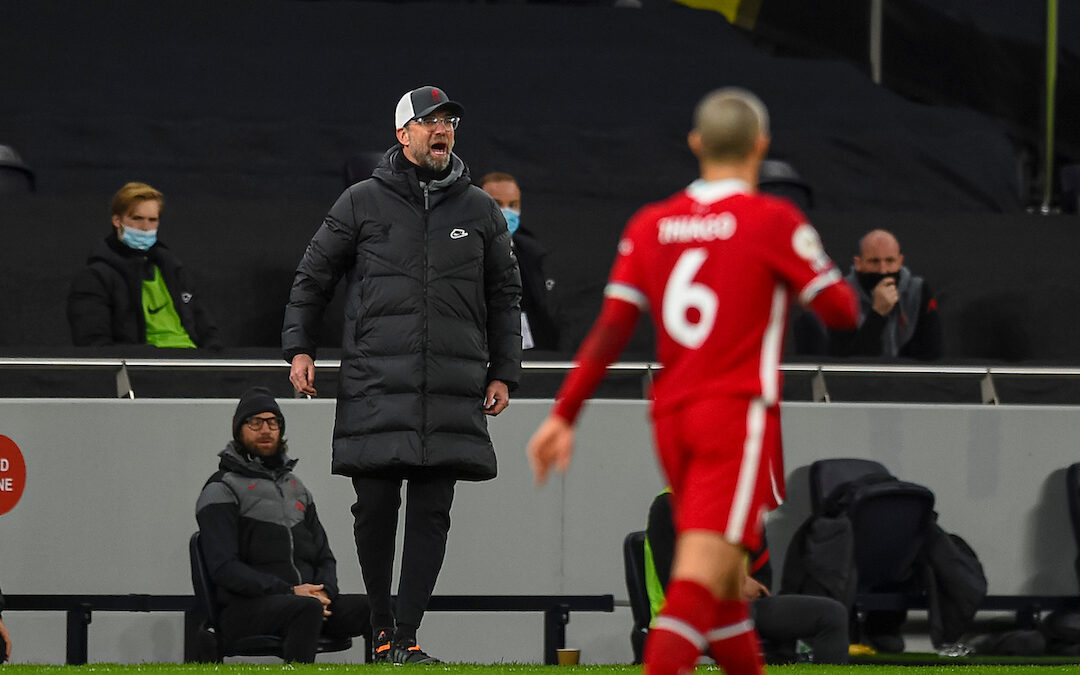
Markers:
point(818, 372)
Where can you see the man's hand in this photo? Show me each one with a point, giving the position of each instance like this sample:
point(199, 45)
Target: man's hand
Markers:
point(325, 600)
point(885, 296)
point(497, 398)
point(314, 591)
point(302, 375)
point(552, 444)
point(752, 590)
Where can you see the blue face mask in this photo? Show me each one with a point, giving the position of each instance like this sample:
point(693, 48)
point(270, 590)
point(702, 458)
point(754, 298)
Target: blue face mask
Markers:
point(513, 218)
point(140, 240)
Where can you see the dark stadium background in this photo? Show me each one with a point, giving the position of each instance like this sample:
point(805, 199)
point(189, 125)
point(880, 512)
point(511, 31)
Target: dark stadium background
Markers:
point(244, 112)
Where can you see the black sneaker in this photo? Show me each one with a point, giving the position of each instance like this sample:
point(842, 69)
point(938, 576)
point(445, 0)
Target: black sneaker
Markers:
point(382, 647)
point(407, 651)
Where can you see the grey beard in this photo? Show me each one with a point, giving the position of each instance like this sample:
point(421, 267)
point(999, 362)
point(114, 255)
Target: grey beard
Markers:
point(436, 165)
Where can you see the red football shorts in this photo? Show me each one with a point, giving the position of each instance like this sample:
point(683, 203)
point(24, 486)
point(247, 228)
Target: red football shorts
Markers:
point(724, 462)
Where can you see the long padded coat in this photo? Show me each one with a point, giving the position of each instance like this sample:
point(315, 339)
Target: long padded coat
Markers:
point(432, 315)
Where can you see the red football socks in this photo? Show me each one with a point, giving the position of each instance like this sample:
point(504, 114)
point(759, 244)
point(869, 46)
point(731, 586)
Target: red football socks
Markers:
point(677, 638)
point(733, 642)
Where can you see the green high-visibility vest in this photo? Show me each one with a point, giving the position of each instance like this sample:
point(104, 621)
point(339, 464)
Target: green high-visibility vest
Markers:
point(163, 326)
point(653, 587)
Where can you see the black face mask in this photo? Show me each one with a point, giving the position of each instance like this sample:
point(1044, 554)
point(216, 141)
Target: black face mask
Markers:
point(870, 280)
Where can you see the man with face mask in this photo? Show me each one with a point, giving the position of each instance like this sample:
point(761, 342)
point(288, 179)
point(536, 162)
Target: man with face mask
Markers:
point(897, 311)
point(264, 545)
point(431, 346)
point(133, 289)
point(539, 308)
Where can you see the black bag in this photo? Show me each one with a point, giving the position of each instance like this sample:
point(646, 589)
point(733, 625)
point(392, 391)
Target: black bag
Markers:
point(957, 585)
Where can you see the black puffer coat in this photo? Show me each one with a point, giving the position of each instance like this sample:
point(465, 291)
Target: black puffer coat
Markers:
point(105, 300)
point(432, 316)
point(260, 531)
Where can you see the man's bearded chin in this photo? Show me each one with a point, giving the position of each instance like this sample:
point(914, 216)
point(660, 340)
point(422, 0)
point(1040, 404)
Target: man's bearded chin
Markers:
point(436, 164)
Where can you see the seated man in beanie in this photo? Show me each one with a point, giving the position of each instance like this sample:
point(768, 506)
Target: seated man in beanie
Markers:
point(264, 545)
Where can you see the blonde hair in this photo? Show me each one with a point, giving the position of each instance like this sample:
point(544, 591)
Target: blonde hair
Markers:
point(131, 194)
point(497, 177)
point(729, 121)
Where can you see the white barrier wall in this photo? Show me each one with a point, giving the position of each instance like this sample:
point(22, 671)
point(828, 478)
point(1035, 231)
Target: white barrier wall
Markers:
point(111, 488)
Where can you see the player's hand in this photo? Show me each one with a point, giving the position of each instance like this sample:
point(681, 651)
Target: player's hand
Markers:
point(551, 445)
point(885, 296)
point(302, 375)
point(497, 398)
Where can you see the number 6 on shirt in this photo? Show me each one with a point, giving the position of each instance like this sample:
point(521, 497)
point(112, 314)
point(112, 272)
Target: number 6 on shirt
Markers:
point(681, 294)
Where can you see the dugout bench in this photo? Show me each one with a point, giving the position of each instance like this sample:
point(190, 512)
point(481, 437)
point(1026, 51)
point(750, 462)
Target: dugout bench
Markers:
point(1028, 609)
point(80, 609)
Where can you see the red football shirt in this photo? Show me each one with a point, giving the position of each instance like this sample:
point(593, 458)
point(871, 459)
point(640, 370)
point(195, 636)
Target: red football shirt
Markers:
point(717, 266)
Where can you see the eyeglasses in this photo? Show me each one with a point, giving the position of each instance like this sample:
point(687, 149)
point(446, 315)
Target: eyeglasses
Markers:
point(256, 423)
point(431, 122)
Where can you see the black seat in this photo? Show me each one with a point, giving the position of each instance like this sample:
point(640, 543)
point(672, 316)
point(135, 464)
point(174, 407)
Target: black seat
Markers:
point(1072, 488)
point(634, 567)
point(828, 474)
point(779, 178)
point(889, 522)
point(213, 645)
point(15, 176)
point(360, 167)
point(1070, 188)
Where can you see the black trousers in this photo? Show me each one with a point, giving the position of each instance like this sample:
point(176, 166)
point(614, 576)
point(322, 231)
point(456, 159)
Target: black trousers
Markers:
point(820, 622)
point(427, 522)
point(298, 620)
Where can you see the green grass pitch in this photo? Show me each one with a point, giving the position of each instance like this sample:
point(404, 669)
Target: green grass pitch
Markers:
point(516, 669)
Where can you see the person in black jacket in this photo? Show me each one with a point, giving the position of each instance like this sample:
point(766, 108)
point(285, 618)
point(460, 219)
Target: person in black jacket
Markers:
point(898, 314)
point(539, 308)
point(134, 290)
point(264, 545)
point(431, 346)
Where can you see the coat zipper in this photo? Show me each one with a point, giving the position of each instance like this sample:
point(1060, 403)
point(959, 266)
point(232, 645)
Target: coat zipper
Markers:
point(292, 545)
point(424, 349)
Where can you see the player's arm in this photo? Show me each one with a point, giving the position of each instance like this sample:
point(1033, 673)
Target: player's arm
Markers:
point(553, 442)
point(835, 304)
point(808, 269)
point(599, 349)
